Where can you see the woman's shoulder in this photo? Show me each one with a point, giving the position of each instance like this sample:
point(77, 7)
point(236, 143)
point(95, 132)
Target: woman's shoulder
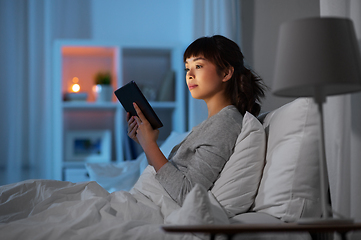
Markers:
point(219, 130)
point(229, 115)
point(228, 118)
point(231, 111)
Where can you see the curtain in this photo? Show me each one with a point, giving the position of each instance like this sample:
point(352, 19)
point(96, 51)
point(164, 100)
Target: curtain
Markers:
point(28, 28)
point(213, 17)
point(22, 91)
point(343, 129)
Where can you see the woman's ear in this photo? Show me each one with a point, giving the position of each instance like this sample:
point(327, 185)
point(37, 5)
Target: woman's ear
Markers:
point(228, 74)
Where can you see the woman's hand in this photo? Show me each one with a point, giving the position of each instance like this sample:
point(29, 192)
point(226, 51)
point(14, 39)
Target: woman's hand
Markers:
point(144, 132)
point(132, 127)
point(147, 138)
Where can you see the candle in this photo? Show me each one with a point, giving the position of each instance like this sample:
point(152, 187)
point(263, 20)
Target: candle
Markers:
point(74, 94)
point(75, 87)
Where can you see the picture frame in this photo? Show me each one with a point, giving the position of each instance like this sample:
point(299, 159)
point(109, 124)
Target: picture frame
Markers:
point(88, 146)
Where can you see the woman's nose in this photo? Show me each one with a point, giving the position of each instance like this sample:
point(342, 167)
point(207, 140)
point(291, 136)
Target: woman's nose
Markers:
point(190, 75)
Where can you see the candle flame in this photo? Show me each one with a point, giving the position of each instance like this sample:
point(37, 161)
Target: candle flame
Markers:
point(75, 87)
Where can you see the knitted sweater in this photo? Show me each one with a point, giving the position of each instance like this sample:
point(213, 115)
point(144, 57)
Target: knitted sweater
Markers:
point(200, 157)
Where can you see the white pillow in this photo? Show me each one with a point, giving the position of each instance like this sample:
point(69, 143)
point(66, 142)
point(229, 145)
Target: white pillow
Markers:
point(150, 187)
point(115, 176)
point(236, 187)
point(199, 208)
point(289, 186)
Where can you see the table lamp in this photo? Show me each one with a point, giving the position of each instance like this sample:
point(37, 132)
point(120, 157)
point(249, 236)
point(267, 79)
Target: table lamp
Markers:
point(318, 57)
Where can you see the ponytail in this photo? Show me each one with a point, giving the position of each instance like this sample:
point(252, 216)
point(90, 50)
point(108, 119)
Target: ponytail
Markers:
point(246, 90)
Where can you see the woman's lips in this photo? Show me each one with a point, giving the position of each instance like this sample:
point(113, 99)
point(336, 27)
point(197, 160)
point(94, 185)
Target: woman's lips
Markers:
point(192, 86)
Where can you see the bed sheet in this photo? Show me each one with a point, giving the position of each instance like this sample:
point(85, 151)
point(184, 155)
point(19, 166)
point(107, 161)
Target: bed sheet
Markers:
point(46, 209)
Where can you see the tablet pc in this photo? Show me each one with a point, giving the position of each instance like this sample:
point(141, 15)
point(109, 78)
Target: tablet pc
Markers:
point(130, 93)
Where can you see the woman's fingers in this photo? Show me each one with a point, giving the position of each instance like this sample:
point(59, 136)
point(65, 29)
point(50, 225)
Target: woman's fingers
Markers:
point(139, 113)
point(128, 116)
point(143, 130)
point(132, 127)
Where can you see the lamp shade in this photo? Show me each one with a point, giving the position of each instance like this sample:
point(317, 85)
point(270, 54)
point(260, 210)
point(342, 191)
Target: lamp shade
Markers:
point(317, 53)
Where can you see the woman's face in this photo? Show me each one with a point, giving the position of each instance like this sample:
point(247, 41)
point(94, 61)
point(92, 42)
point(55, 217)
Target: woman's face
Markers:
point(203, 79)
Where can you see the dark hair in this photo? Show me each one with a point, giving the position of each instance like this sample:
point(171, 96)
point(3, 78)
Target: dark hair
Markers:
point(245, 87)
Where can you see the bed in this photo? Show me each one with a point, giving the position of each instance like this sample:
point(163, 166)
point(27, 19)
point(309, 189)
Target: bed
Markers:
point(272, 177)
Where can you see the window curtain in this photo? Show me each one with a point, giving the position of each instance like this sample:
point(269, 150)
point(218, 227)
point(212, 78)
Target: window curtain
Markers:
point(343, 129)
point(211, 17)
point(24, 118)
point(28, 28)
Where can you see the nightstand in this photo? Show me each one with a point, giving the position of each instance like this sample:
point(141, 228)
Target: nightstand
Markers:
point(232, 229)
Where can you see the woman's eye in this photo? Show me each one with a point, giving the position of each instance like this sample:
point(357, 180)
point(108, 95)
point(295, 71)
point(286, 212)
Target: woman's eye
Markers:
point(198, 66)
point(186, 69)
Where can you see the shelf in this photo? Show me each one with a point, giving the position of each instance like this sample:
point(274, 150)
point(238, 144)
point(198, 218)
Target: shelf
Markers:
point(112, 105)
point(158, 71)
point(90, 105)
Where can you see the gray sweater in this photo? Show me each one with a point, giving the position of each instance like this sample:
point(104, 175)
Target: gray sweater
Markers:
point(200, 157)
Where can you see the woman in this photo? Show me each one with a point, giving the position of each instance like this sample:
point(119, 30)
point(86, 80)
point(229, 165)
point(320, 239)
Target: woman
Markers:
point(215, 73)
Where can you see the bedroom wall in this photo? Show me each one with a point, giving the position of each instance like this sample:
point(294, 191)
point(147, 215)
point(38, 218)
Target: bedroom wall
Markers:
point(139, 21)
point(172, 22)
point(261, 21)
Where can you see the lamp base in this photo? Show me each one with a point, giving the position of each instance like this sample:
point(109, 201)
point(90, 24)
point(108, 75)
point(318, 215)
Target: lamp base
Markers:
point(324, 221)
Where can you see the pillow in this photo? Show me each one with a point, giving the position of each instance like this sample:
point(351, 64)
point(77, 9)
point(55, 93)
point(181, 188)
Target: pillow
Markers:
point(289, 187)
point(115, 176)
point(148, 186)
point(123, 175)
point(236, 187)
point(199, 208)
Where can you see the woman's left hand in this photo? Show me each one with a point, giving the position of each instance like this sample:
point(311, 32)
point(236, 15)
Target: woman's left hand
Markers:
point(146, 135)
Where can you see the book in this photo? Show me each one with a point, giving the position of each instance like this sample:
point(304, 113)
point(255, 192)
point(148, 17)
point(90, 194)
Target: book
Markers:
point(130, 93)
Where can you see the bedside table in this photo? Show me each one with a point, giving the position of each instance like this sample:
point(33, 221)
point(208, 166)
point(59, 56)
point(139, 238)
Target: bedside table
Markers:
point(231, 230)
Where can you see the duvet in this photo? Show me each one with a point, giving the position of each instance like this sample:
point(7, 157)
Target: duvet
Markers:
point(47, 209)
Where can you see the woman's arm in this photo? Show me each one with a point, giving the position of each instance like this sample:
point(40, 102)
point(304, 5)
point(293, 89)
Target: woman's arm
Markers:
point(200, 159)
point(146, 136)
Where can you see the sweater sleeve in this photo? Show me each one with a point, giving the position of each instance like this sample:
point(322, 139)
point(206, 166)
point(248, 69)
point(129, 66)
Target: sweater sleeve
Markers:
point(200, 159)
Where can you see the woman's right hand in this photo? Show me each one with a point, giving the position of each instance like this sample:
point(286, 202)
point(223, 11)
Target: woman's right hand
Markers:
point(132, 128)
